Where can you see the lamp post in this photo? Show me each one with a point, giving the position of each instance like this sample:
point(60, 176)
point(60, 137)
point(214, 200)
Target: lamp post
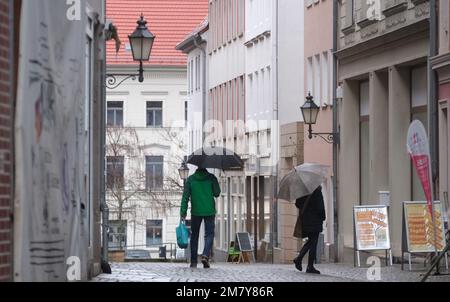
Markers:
point(184, 172)
point(310, 111)
point(141, 41)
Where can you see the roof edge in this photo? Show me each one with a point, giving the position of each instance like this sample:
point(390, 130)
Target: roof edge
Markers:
point(188, 43)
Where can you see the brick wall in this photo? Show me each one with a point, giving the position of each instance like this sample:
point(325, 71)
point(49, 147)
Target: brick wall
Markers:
point(5, 146)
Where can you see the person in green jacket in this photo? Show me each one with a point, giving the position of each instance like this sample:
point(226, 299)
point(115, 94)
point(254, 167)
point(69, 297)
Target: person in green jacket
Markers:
point(201, 188)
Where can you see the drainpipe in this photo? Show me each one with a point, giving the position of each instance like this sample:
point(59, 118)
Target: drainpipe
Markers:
point(202, 49)
point(12, 81)
point(275, 137)
point(432, 106)
point(432, 98)
point(103, 205)
point(335, 130)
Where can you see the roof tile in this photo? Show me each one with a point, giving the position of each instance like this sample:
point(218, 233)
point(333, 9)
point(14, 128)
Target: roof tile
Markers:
point(169, 20)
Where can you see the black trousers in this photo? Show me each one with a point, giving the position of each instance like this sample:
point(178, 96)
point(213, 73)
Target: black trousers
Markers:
point(196, 222)
point(311, 246)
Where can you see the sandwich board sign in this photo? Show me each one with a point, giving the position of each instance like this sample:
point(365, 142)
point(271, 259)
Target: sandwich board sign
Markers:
point(371, 229)
point(418, 229)
point(243, 244)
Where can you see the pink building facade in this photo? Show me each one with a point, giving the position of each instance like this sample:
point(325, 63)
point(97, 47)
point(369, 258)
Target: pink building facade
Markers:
point(319, 82)
point(441, 64)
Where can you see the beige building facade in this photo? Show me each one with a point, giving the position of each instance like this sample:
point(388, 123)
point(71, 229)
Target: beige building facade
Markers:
point(382, 68)
point(441, 65)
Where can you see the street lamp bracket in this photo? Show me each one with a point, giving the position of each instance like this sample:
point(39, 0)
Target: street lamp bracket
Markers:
point(112, 81)
point(331, 138)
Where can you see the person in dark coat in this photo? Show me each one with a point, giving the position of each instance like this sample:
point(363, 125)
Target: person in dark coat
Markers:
point(311, 222)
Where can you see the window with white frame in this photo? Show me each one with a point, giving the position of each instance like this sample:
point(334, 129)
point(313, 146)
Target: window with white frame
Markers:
point(317, 78)
point(154, 233)
point(325, 79)
point(117, 234)
point(115, 114)
point(226, 21)
point(186, 112)
point(193, 85)
point(200, 68)
point(189, 76)
point(154, 172)
point(114, 172)
point(349, 19)
point(193, 75)
point(241, 95)
point(309, 75)
point(197, 71)
point(154, 114)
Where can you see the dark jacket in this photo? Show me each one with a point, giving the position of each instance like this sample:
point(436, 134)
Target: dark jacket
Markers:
point(313, 215)
point(200, 189)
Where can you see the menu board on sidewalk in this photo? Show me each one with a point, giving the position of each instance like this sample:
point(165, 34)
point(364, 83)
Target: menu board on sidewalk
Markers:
point(243, 242)
point(371, 228)
point(419, 228)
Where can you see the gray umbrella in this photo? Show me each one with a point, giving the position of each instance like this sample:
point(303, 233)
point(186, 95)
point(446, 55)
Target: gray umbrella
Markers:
point(216, 158)
point(302, 181)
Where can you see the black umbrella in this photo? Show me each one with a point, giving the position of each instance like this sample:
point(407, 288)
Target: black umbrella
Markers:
point(216, 158)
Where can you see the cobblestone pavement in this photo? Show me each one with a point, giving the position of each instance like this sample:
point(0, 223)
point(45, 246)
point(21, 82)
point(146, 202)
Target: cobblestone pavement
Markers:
point(222, 272)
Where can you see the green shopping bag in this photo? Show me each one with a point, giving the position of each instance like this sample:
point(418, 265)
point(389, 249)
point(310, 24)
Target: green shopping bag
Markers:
point(182, 235)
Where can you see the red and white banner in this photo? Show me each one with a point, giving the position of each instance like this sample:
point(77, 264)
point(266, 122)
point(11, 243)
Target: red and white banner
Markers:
point(419, 150)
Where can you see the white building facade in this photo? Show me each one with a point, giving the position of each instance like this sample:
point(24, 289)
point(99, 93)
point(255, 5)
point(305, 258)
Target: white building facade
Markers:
point(195, 47)
point(145, 201)
point(289, 83)
point(226, 102)
point(248, 90)
point(156, 112)
point(260, 115)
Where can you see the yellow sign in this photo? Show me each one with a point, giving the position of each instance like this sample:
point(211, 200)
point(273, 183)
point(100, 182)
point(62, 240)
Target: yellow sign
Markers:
point(420, 230)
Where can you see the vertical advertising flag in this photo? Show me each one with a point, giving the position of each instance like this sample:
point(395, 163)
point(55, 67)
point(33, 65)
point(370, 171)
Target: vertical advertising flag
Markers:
point(419, 150)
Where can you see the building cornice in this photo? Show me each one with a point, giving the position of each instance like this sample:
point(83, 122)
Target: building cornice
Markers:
point(395, 8)
point(440, 61)
point(118, 93)
point(127, 68)
point(154, 93)
point(258, 38)
point(415, 31)
point(158, 146)
point(441, 64)
point(188, 44)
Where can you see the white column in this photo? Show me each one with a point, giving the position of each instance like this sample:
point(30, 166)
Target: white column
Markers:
point(399, 160)
point(348, 160)
point(378, 137)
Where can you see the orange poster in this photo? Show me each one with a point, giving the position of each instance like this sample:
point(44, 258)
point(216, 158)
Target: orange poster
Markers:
point(372, 228)
point(420, 229)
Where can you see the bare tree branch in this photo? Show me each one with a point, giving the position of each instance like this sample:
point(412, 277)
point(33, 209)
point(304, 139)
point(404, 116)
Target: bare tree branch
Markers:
point(124, 187)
